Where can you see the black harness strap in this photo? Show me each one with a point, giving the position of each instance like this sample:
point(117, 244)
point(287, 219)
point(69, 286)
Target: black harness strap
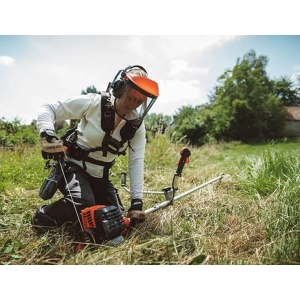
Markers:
point(127, 132)
point(107, 113)
point(105, 143)
point(109, 144)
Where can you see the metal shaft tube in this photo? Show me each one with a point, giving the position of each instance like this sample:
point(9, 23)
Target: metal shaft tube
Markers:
point(166, 203)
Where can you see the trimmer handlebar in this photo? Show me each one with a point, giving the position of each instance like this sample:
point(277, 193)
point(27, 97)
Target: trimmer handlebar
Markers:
point(184, 158)
point(123, 179)
point(169, 192)
point(185, 154)
point(123, 182)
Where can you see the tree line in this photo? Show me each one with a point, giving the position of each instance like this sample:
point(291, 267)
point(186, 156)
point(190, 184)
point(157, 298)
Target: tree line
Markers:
point(244, 105)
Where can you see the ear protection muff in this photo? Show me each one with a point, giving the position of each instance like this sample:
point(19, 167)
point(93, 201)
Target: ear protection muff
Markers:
point(119, 85)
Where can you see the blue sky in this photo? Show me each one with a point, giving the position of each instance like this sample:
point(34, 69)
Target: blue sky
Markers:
point(40, 68)
point(52, 52)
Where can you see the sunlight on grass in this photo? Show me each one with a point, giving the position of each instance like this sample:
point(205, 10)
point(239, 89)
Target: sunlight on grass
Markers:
point(251, 216)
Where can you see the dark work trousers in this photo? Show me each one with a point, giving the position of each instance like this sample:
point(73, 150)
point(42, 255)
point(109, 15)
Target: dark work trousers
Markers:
point(80, 190)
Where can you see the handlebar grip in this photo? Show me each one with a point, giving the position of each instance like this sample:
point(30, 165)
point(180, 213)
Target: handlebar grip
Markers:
point(123, 179)
point(185, 154)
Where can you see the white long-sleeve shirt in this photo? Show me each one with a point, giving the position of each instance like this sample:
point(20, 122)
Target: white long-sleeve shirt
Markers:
point(87, 108)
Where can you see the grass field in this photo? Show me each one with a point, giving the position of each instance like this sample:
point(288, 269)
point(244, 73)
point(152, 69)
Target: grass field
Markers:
point(250, 217)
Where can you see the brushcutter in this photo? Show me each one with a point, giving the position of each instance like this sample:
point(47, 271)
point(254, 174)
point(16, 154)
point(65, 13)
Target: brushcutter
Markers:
point(100, 227)
point(107, 225)
point(169, 192)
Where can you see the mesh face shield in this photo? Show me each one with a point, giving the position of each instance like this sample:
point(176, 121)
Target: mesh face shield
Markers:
point(139, 95)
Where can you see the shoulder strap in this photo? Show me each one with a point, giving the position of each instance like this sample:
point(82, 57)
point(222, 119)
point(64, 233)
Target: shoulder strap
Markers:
point(107, 113)
point(108, 123)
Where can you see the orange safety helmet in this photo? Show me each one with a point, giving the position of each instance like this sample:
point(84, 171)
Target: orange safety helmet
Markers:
point(142, 84)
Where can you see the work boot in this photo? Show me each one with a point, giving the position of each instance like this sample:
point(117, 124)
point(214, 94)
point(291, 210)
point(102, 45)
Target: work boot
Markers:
point(136, 213)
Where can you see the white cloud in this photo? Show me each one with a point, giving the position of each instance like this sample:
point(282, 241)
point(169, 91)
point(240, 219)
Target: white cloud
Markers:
point(180, 69)
point(6, 60)
point(58, 67)
point(177, 93)
point(136, 44)
point(178, 46)
point(295, 77)
point(180, 90)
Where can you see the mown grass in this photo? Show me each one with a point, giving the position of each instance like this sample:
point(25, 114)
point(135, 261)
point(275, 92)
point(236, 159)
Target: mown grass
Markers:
point(250, 217)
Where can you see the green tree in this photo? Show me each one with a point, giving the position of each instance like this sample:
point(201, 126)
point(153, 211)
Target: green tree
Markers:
point(182, 113)
point(90, 89)
point(284, 88)
point(178, 129)
point(194, 124)
point(13, 134)
point(297, 85)
point(198, 127)
point(10, 127)
point(157, 123)
point(244, 107)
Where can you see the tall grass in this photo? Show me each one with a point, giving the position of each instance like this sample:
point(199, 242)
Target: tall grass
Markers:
point(251, 216)
point(272, 181)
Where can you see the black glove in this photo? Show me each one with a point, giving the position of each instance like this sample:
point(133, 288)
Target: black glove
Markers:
point(52, 147)
point(49, 135)
point(136, 204)
point(136, 213)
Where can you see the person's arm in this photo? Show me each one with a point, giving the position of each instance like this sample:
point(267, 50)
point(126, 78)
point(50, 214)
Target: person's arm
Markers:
point(73, 108)
point(52, 147)
point(136, 163)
